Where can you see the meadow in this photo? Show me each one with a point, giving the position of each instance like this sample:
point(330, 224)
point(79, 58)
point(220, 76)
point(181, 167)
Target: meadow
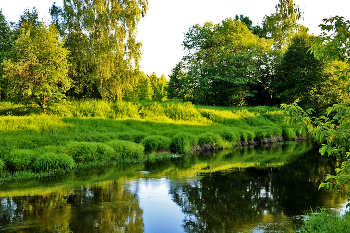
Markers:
point(86, 133)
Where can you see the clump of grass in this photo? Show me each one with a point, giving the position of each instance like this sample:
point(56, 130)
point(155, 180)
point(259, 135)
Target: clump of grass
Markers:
point(229, 134)
point(134, 136)
point(182, 142)
point(126, 110)
point(19, 159)
point(156, 143)
point(53, 161)
point(127, 150)
point(183, 112)
point(89, 151)
point(327, 222)
point(212, 139)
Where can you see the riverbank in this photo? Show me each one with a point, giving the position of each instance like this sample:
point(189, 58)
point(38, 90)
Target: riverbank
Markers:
point(82, 134)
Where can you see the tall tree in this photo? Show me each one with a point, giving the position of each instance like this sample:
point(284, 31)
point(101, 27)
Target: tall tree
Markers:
point(160, 88)
point(36, 71)
point(283, 24)
point(222, 62)
point(176, 86)
point(102, 37)
point(6, 39)
point(300, 75)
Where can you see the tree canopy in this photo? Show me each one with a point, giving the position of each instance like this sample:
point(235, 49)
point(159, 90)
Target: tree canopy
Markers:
point(222, 63)
point(102, 37)
point(36, 70)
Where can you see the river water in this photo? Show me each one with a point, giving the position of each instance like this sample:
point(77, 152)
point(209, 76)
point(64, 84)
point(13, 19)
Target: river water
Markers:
point(243, 190)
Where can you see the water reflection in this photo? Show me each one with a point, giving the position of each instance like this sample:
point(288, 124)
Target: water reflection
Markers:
point(254, 198)
point(245, 190)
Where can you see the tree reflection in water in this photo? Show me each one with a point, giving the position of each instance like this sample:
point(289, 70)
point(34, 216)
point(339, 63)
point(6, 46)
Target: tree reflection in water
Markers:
point(231, 191)
point(228, 201)
point(100, 208)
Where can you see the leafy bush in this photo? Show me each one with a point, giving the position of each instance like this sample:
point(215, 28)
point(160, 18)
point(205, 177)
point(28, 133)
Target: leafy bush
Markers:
point(49, 161)
point(156, 143)
point(182, 142)
point(210, 138)
point(89, 151)
point(19, 159)
point(126, 150)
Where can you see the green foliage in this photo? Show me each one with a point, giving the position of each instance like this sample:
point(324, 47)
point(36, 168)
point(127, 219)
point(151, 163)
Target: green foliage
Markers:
point(2, 165)
point(302, 76)
point(134, 136)
point(36, 70)
point(326, 221)
point(182, 142)
point(52, 161)
point(89, 151)
point(156, 143)
point(210, 138)
point(283, 24)
point(230, 134)
point(19, 159)
point(102, 38)
point(5, 46)
point(127, 150)
point(223, 62)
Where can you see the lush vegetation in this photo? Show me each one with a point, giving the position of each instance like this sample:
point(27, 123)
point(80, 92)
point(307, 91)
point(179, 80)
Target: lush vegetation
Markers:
point(326, 221)
point(88, 133)
point(90, 50)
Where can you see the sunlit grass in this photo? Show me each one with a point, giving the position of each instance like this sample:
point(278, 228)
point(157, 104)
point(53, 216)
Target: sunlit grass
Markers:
point(156, 125)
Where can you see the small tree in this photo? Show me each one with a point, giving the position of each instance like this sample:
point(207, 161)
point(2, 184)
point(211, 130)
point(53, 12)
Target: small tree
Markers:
point(160, 92)
point(36, 71)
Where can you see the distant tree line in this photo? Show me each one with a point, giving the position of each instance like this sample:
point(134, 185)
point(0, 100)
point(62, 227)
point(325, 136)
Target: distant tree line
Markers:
point(236, 63)
point(90, 50)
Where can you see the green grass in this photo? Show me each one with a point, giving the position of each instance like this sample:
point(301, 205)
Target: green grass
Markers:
point(326, 221)
point(99, 132)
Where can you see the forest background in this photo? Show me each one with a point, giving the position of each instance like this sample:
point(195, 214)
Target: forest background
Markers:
point(97, 55)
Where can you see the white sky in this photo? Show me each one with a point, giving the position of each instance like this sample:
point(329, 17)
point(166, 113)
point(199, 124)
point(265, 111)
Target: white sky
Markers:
point(162, 30)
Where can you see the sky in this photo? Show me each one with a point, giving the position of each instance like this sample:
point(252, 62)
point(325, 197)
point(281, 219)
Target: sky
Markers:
point(161, 31)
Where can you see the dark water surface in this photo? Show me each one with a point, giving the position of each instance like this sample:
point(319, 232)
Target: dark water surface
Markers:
point(248, 190)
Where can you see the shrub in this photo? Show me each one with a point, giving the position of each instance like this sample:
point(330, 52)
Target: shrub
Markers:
point(182, 142)
point(126, 150)
point(210, 138)
point(49, 161)
point(89, 151)
point(19, 159)
point(156, 143)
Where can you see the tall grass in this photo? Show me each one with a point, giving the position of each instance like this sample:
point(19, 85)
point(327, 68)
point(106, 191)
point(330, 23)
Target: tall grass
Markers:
point(326, 221)
point(90, 131)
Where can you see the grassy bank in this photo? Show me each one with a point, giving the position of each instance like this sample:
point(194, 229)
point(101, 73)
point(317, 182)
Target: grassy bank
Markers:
point(77, 134)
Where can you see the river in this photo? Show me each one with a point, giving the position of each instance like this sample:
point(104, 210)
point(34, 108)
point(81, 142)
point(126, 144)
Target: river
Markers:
point(243, 190)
